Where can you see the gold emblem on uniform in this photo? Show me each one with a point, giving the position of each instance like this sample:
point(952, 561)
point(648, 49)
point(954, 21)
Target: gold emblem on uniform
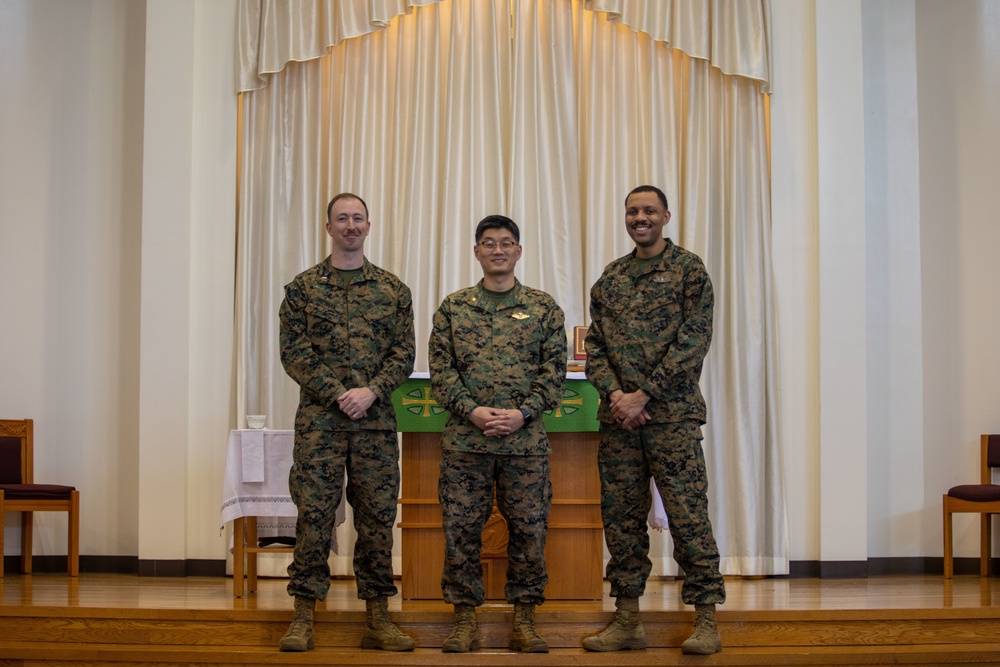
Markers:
point(520, 316)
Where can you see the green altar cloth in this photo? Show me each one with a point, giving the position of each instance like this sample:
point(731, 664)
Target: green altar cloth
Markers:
point(418, 412)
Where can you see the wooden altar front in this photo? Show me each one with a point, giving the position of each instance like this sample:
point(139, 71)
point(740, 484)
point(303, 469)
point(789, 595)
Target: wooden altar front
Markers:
point(575, 545)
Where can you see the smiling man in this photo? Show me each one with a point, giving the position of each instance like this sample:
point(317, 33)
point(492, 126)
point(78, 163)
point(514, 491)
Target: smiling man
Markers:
point(346, 335)
point(651, 326)
point(498, 361)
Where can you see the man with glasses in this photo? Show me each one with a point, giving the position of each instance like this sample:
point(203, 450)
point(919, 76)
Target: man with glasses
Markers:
point(498, 360)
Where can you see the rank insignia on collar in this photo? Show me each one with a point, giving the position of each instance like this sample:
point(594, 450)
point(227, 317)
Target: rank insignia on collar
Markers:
point(520, 316)
point(324, 279)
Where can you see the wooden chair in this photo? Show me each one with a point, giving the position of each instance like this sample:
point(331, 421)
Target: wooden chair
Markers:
point(19, 493)
point(982, 499)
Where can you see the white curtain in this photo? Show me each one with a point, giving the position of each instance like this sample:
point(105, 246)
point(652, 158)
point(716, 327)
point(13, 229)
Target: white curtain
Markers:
point(548, 111)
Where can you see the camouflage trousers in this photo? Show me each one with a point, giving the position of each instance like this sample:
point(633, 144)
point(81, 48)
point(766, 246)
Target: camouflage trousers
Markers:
point(523, 496)
point(672, 454)
point(371, 461)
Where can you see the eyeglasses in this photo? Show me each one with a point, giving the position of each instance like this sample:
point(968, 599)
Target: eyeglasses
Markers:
point(489, 245)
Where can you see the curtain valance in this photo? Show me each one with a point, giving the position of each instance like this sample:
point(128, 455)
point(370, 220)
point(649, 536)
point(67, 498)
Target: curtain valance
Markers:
point(732, 35)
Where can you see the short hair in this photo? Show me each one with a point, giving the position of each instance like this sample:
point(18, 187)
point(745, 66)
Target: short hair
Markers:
point(497, 222)
point(345, 195)
point(650, 188)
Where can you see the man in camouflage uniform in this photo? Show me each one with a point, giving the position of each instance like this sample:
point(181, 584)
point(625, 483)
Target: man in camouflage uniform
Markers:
point(651, 326)
point(497, 360)
point(347, 340)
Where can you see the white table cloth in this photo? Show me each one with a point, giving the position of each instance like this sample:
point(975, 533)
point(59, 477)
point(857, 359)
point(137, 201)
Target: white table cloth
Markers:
point(256, 482)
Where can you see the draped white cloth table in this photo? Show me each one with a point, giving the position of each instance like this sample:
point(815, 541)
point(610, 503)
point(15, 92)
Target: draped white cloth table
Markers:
point(256, 485)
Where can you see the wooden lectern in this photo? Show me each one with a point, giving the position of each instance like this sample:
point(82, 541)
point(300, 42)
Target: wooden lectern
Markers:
point(575, 544)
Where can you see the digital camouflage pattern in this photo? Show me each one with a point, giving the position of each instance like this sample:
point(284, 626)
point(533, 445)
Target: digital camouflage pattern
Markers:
point(333, 338)
point(524, 497)
point(508, 355)
point(651, 331)
point(673, 454)
point(316, 482)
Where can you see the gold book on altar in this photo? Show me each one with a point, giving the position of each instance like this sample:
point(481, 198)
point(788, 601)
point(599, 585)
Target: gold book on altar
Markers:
point(579, 342)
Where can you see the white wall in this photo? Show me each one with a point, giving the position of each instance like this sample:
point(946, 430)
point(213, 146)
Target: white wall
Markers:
point(897, 506)
point(843, 362)
point(117, 237)
point(119, 263)
point(70, 216)
point(928, 362)
point(212, 394)
point(958, 81)
point(188, 251)
point(795, 254)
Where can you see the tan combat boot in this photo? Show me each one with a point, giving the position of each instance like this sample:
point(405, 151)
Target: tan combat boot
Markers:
point(382, 633)
point(623, 633)
point(465, 636)
point(523, 636)
point(300, 633)
point(705, 640)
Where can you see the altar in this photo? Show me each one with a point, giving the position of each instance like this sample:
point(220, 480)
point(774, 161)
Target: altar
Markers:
point(256, 486)
point(574, 547)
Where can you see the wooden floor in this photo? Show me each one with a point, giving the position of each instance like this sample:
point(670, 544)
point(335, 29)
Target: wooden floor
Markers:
point(101, 619)
point(123, 591)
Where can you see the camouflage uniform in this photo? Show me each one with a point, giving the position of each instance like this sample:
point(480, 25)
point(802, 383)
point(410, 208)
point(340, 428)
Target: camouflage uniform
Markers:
point(506, 355)
point(335, 338)
point(651, 330)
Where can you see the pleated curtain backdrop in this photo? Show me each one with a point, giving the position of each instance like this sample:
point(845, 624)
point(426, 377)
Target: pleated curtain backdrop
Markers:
point(549, 111)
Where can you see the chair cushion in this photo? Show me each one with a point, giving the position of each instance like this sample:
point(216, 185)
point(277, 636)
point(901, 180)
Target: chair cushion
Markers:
point(977, 493)
point(993, 451)
point(277, 540)
point(36, 491)
point(10, 460)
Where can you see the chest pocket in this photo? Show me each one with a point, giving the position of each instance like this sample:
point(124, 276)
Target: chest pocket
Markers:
point(378, 310)
point(659, 304)
point(620, 298)
point(323, 317)
point(380, 319)
point(523, 335)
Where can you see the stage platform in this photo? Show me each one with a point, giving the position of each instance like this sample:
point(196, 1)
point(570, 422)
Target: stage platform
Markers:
point(126, 620)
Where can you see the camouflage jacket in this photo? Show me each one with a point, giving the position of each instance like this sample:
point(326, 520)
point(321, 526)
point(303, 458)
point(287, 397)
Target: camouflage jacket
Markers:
point(509, 355)
point(335, 338)
point(651, 331)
